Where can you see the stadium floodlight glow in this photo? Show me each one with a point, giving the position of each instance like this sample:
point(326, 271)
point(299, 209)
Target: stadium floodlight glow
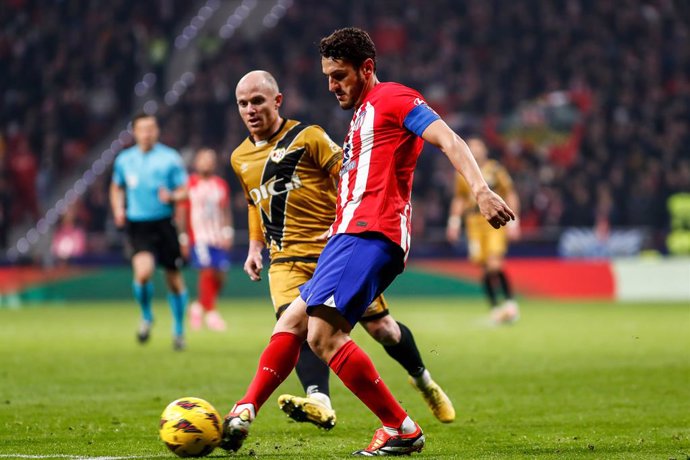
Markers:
point(125, 137)
point(213, 4)
point(140, 89)
point(234, 20)
point(243, 11)
point(251, 4)
point(32, 236)
point(179, 87)
point(52, 216)
point(90, 176)
point(198, 22)
point(181, 42)
point(115, 145)
point(171, 98)
point(70, 197)
point(80, 186)
point(43, 226)
point(22, 246)
point(226, 31)
point(188, 78)
point(270, 20)
point(205, 12)
point(149, 79)
point(106, 154)
point(189, 32)
point(151, 107)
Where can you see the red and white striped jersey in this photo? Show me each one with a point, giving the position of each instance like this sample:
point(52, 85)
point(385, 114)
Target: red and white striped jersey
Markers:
point(207, 200)
point(379, 157)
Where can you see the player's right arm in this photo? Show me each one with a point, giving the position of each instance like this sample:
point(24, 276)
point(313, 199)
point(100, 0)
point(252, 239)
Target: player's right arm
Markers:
point(117, 196)
point(460, 202)
point(254, 263)
point(454, 227)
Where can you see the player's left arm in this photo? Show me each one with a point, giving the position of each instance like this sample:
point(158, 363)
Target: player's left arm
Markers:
point(491, 205)
point(228, 229)
point(326, 153)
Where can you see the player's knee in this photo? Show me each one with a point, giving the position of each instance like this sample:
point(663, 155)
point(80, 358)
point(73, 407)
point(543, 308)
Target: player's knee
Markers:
point(384, 330)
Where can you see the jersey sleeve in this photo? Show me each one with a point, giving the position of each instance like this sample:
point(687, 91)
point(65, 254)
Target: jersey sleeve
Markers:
point(411, 110)
point(326, 153)
point(118, 173)
point(236, 167)
point(178, 177)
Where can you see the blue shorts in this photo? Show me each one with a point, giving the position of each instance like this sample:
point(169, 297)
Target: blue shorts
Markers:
point(351, 272)
point(210, 257)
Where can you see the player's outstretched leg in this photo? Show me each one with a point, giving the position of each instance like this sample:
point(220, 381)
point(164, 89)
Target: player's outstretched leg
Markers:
point(275, 364)
point(315, 407)
point(399, 434)
point(385, 442)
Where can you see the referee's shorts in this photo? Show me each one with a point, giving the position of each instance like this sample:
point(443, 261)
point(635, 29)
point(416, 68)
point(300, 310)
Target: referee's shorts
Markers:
point(158, 237)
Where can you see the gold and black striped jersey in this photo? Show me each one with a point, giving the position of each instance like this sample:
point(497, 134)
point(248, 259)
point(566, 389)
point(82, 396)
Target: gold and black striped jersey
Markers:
point(495, 175)
point(290, 179)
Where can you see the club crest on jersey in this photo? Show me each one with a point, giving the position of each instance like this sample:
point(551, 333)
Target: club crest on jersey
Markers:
point(359, 119)
point(132, 180)
point(278, 154)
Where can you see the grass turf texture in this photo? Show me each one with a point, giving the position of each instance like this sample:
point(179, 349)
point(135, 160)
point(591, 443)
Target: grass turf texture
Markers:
point(588, 380)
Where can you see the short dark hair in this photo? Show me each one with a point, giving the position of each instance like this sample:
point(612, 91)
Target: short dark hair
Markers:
point(349, 44)
point(141, 115)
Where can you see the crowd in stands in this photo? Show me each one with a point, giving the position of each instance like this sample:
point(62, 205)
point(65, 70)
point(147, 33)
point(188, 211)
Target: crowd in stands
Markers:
point(474, 60)
point(68, 72)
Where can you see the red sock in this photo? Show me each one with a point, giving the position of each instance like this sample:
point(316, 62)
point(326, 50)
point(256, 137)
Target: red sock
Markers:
point(275, 364)
point(358, 373)
point(209, 286)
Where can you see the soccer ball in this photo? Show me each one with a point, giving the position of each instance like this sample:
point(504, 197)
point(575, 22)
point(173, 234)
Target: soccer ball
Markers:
point(190, 427)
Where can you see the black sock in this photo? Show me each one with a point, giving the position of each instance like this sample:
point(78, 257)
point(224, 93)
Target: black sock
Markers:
point(406, 352)
point(505, 284)
point(311, 371)
point(488, 282)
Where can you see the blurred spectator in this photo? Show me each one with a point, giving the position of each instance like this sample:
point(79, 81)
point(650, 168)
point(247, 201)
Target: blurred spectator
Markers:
point(68, 72)
point(69, 239)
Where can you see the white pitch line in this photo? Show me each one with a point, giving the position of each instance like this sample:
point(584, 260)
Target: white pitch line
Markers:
point(78, 457)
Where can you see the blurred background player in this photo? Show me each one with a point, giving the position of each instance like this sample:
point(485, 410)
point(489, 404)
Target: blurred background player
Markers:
point(211, 235)
point(148, 178)
point(487, 246)
point(288, 171)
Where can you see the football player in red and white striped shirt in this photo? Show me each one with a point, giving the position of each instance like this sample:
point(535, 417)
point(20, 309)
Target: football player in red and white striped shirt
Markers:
point(210, 237)
point(369, 240)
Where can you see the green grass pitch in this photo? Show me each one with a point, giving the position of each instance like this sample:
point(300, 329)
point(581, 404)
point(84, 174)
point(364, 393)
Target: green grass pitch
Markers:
point(570, 380)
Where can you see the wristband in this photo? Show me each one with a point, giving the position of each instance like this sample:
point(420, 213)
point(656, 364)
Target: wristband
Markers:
point(454, 221)
point(227, 232)
point(183, 239)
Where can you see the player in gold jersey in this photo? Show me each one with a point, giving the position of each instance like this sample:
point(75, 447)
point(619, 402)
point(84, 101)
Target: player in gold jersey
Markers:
point(288, 171)
point(487, 246)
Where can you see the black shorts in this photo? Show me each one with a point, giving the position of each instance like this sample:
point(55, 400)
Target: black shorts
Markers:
point(158, 237)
